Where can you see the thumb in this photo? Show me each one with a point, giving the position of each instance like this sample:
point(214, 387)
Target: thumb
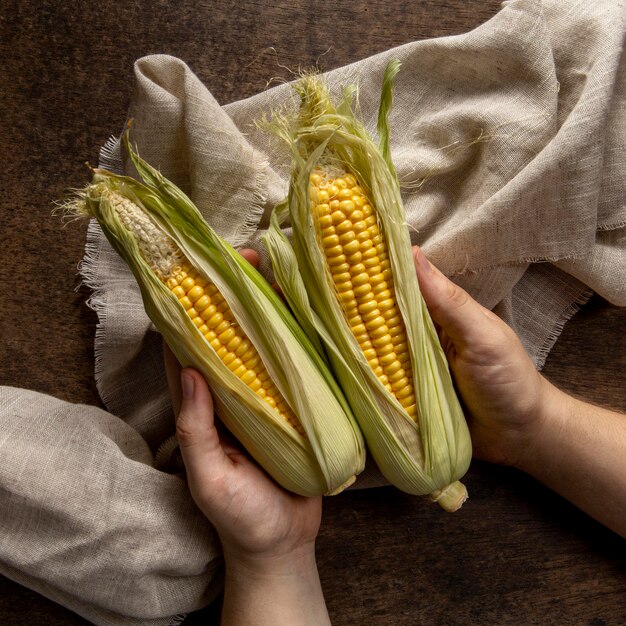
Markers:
point(450, 306)
point(195, 429)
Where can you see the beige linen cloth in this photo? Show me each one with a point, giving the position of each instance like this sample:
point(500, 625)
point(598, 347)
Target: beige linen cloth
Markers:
point(509, 144)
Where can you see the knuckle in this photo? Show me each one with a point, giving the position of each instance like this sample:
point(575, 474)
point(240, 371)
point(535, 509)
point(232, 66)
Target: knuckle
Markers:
point(192, 434)
point(453, 299)
point(185, 431)
point(457, 297)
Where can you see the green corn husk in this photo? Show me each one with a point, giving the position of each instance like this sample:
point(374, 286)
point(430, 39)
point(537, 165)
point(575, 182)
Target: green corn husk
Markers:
point(427, 457)
point(332, 453)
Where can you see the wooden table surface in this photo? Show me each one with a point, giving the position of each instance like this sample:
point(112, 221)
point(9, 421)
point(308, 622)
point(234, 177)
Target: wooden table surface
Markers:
point(516, 553)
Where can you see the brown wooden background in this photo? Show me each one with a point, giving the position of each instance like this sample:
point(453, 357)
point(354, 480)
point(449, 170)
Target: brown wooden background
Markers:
point(516, 553)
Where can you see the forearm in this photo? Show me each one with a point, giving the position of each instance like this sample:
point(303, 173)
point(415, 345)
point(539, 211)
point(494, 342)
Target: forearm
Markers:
point(580, 452)
point(285, 592)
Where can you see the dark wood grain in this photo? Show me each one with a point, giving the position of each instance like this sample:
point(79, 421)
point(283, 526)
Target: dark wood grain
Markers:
point(516, 553)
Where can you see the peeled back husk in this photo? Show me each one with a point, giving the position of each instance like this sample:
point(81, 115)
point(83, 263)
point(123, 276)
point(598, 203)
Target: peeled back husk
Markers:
point(423, 456)
point(325, 452)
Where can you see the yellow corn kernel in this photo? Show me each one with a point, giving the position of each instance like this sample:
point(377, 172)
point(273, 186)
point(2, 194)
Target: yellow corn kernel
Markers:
point(195, 293)
point(240, 370)
point(255, 384)
point(248, 376)
point(186, 302)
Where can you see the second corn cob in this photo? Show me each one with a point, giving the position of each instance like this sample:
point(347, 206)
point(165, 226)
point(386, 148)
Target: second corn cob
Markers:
point(349, 277)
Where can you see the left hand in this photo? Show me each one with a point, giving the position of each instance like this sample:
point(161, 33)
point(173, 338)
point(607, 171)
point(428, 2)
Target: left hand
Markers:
point(255, 518)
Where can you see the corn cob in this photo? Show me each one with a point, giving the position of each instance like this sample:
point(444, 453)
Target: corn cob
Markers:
point(219, 316)
point(348, 276)
point(203, 303)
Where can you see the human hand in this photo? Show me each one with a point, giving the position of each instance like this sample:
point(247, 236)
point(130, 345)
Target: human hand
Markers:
point(267, 533)
point(503, 394)
point(516, 416)
point(254, 517)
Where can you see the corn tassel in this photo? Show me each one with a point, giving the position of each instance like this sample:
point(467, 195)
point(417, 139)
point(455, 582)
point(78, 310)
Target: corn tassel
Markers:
point(350, 280)
point(219, 316)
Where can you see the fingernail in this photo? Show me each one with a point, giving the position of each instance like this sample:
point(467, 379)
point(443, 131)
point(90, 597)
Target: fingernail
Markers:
point(421, 260)
point(187, 384)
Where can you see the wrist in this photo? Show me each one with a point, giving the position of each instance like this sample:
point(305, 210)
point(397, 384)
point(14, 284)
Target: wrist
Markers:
point(542, 440)
point(287, 562)
point(274, 589)
point(282, 588)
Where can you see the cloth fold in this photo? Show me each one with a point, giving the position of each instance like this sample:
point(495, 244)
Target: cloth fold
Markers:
point(90, 523)
point(509, 145)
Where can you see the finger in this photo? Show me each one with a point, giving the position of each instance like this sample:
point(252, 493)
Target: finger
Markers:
point(252, 256)
point(458, 315)
point(172, 373)
point(195, 429)
point(276, 287)
point(173, 369)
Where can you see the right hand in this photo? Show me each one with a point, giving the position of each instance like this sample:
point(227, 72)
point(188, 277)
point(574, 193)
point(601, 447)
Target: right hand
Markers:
point(502, 392)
